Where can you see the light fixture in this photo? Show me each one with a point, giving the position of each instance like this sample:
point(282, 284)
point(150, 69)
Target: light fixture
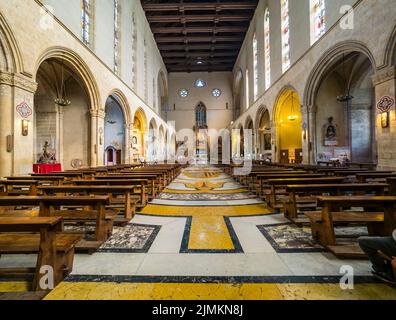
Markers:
point(385, 120)
point(25, 128)
point(347, 97)
point(293, 116)
point(61, 98)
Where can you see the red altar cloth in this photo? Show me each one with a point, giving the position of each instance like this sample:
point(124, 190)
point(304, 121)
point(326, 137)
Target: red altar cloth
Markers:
point(47, 168)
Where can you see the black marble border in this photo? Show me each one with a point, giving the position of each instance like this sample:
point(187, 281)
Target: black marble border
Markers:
point(220, 279)
point(186, 238)
point(146, 247)
point(278, 249)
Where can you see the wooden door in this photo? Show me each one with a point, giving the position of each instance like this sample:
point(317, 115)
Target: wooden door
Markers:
point(284, 156)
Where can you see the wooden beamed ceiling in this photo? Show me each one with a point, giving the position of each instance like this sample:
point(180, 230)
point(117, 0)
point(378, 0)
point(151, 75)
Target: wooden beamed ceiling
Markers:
point(199, 35)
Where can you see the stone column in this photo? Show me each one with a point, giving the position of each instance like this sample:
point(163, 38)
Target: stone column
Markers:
point(385, 85)
point(16, 103)
point(97, 138)
point(128, 143)
point(59, 147)
point(6, 125)
point(311, 133)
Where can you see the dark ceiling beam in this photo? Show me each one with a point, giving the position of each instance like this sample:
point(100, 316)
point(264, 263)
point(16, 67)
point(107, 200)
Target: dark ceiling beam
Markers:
point(199, 6)
point(194, 61)
point(189, 39)
point(200, 18)
point(202, 54)
point(175, 47)
point(184, 68)
point(188, 30)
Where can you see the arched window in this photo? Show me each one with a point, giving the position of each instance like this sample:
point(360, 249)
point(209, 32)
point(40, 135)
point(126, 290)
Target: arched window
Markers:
point(267, 49)
point(145, 72)
point(117, 36)
point(318, 22)
point(255, 67)
point(134, 53)
point(87, 11)
point(285, 21)
point(247, 90)
point(200, 116)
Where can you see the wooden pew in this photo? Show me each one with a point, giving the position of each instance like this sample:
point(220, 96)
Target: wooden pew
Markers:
point(19, 187)
point(363, 177)
point(41, 236)
point(43, 180)
point(263, 178)
point(140, 187)
point(127, 203)
point(284, 182)
point(85, 209)
point(382, 222)
point(301, 195)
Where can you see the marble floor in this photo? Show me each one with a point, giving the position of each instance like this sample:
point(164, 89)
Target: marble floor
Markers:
point(206, 237)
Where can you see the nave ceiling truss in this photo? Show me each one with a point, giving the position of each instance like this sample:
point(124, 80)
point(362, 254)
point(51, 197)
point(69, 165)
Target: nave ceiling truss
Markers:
point(198, 35)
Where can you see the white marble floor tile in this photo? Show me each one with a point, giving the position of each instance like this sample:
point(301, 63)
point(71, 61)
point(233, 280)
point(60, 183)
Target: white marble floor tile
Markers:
point(170, 237)
point(250, 237)
point(321, 264)
point(213, 265)
point(107, 263)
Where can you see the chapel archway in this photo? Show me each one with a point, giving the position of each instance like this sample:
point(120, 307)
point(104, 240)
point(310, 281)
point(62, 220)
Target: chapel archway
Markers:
point(288, 119)
point(264, 138)
point(138, 137)
point(114, 132)
point(62, 114)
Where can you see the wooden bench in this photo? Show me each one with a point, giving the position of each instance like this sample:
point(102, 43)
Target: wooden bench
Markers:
point(41, 236)
point(19, 187)
point(301, 195)
point(140, 187)
point(126, 203)
point(85, 209)
point(282, 183)
point(380, 223)
point(363, 177)
point(43, 180)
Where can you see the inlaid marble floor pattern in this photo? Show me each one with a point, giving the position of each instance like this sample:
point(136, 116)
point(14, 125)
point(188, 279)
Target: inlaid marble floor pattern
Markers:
point(207, 237)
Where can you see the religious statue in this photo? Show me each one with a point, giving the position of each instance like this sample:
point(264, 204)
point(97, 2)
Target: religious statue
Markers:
point(46, 156)
point(330, 134)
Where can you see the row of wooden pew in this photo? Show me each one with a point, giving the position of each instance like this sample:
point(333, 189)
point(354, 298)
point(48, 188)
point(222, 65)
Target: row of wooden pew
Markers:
point(45, 213)
point(327, 197)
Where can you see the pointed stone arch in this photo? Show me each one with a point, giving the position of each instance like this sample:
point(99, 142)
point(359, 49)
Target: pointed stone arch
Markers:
point(80, 67)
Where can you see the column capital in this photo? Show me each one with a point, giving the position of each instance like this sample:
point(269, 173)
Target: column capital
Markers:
point(310, 108)
point(98, 113)
point(18, 80)
point(384, 75)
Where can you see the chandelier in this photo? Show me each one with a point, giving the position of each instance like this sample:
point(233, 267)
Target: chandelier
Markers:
point(293, 116)
point(61, 97)
point(347, 97)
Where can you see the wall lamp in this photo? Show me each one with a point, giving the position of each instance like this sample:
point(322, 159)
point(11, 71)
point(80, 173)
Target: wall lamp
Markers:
point(25, 128)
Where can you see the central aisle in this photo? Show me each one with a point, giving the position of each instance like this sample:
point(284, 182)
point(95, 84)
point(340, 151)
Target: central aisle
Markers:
point(207, 237)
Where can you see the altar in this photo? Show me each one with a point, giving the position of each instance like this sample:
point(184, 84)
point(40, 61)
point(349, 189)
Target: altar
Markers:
point(47, 167)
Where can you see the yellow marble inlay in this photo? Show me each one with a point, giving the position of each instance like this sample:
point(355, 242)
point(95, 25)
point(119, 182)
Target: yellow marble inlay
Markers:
point(209, 232)
point(204, 186)
point(17, 286)
point(188, 291)
point(231, 191)
point(230, 211)
point(208, 228)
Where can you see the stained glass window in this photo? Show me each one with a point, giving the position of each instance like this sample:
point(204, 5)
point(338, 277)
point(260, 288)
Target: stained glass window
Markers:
point(200, 116)
point(216, 93)
point(86, 21)
point(200, 83)
point(318, 22)
point(183, 93)
point(267, 49)
point(285, 21)
point(116, 36)
point(255, 67)
point(134, 52)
